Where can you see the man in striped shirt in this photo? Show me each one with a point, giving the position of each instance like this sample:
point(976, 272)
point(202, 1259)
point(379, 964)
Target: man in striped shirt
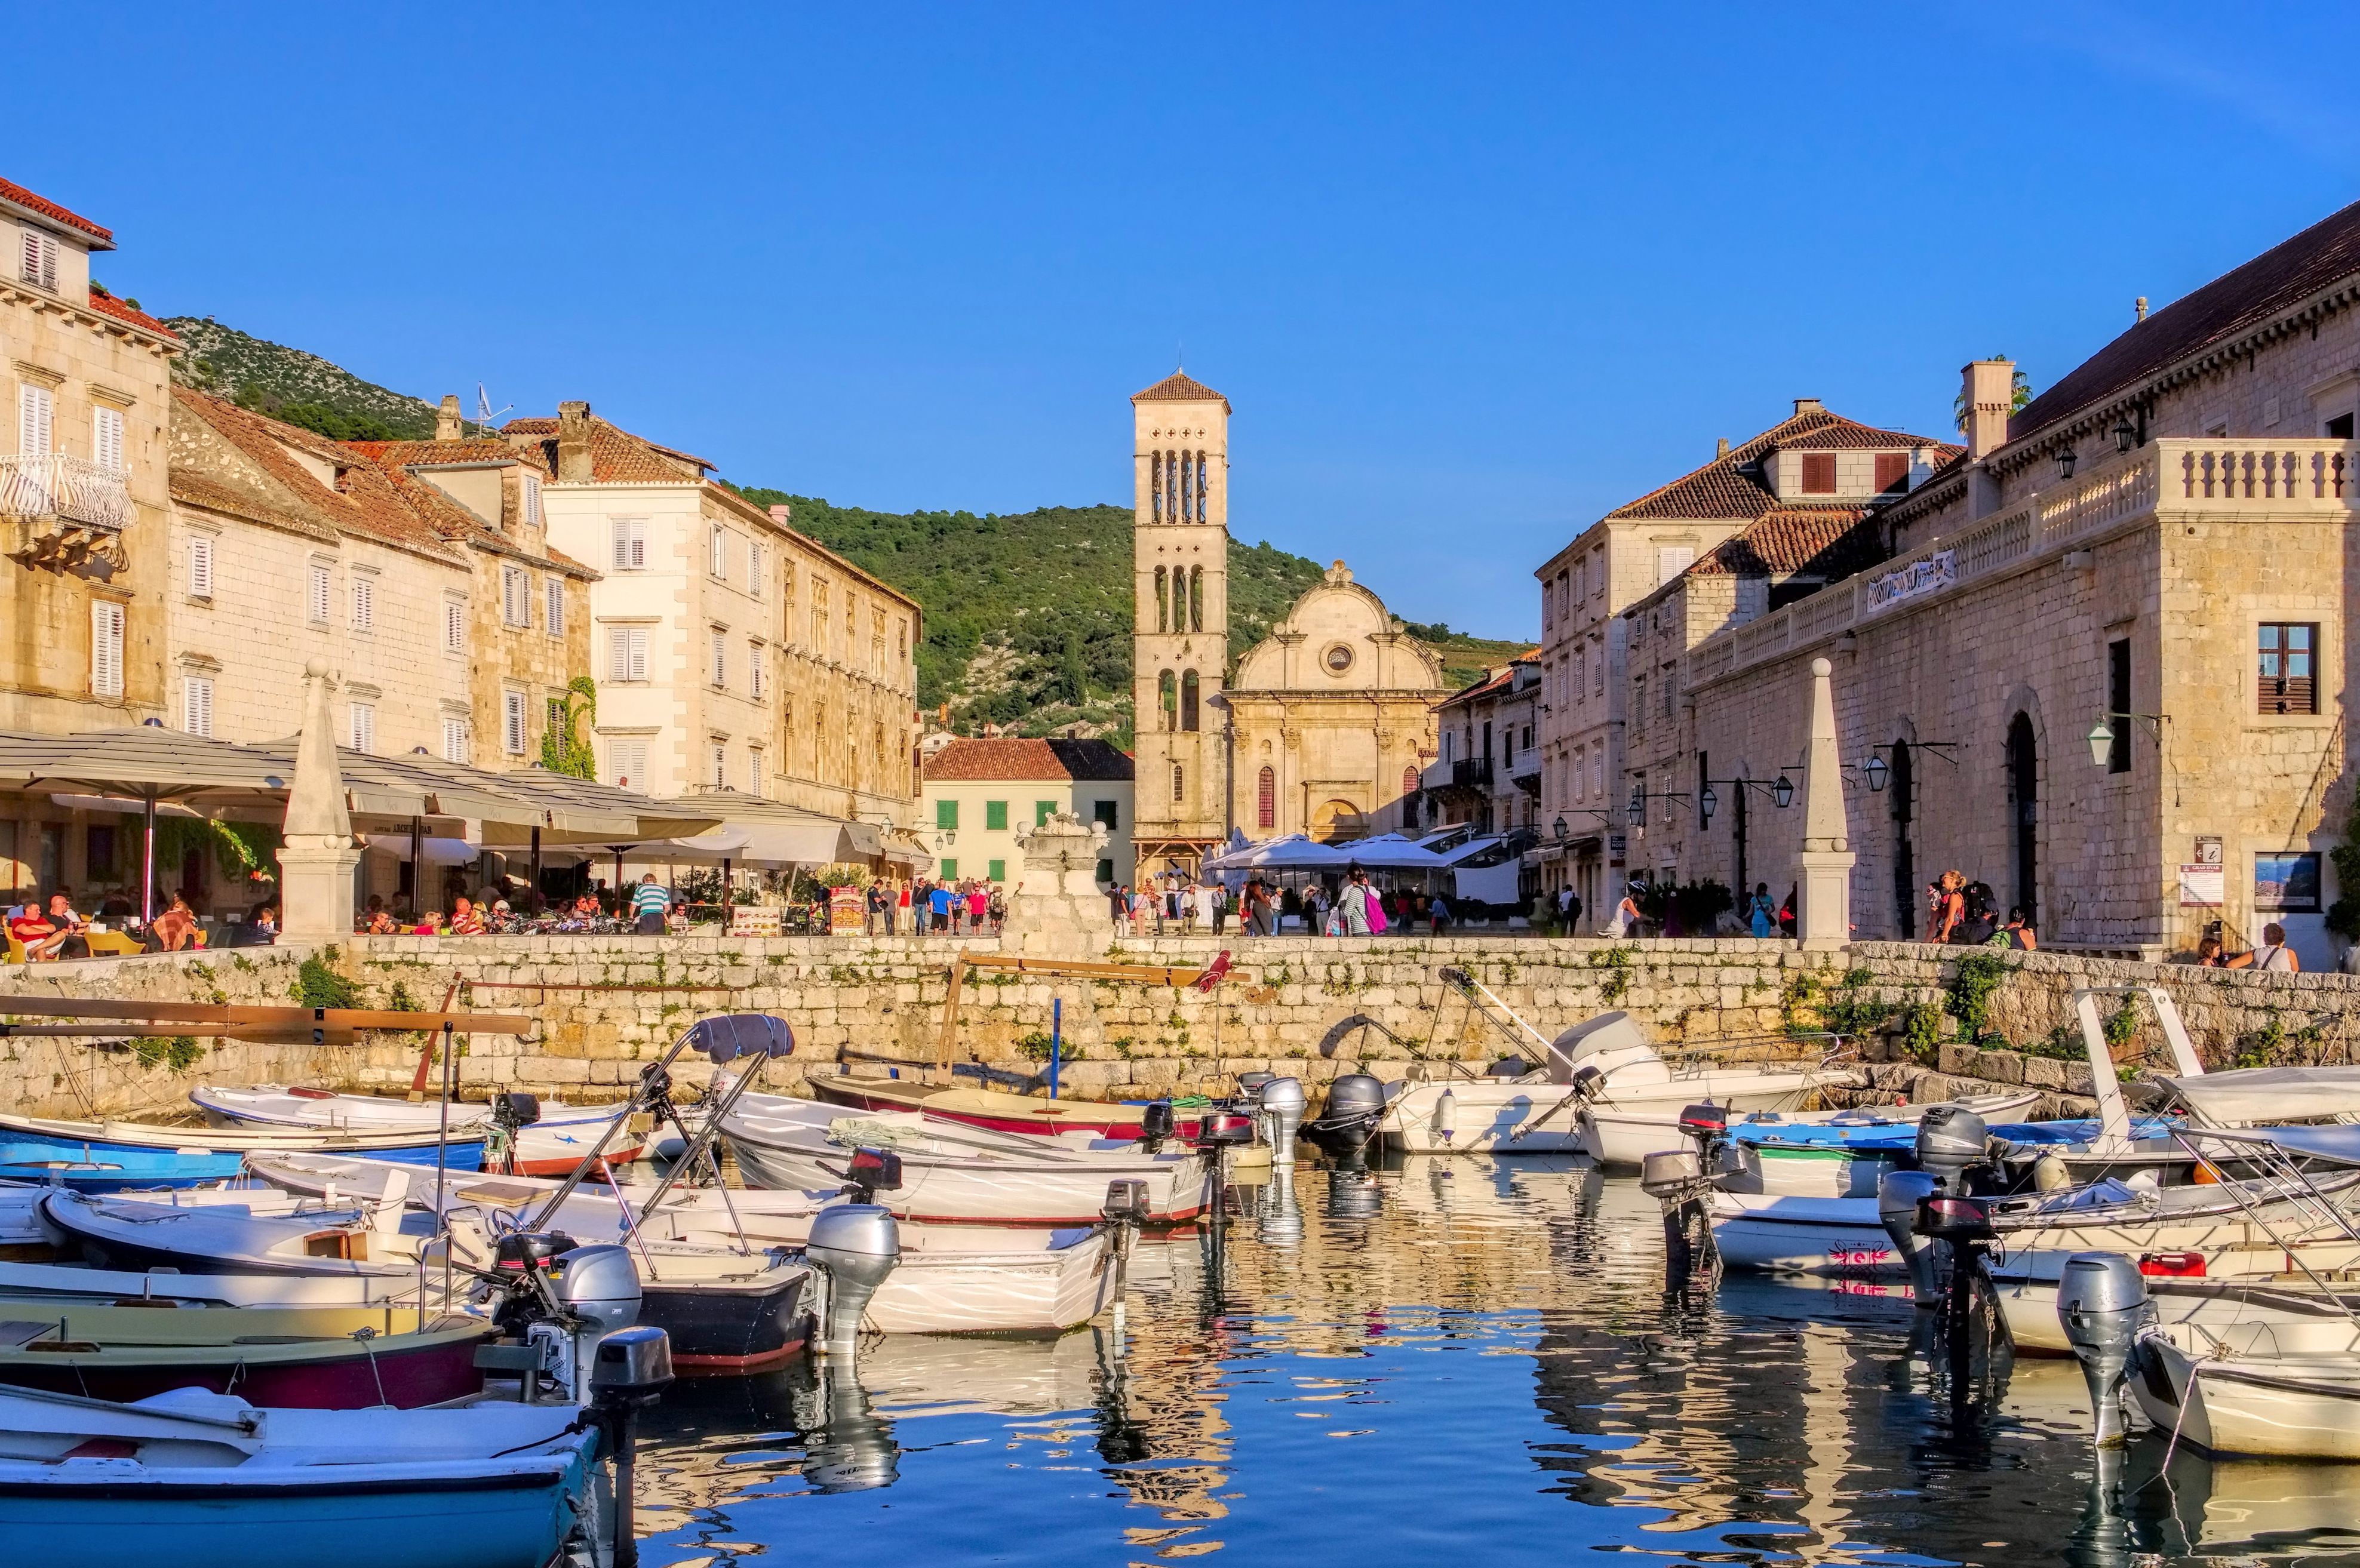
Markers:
point(650, 902)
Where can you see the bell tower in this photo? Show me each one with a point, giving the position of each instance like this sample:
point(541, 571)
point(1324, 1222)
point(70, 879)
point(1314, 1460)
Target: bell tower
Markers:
point(1180, 635)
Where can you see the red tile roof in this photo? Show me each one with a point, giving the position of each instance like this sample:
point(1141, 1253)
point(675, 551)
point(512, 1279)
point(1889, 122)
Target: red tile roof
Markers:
point(1827, 542)
point(446, 515)
point(19, 196)
point(1021, 760)
point(106, 304)
point(2279, 279)
point(1180, 388)
point(1723, 488)
point(617, 456)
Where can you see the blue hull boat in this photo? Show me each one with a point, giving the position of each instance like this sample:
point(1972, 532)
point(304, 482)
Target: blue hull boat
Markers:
point(202, 1480)
point(90, 1170)
point(188, 1156)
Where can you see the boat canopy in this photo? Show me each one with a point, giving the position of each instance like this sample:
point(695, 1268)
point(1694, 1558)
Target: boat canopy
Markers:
point(2245, 1096)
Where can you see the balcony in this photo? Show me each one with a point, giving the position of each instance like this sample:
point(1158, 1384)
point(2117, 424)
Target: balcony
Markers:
point(1471, 772)
point(64, 513)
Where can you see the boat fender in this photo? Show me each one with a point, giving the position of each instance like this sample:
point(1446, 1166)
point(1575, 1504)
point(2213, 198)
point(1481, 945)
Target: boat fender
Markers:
point(856, 1246)
point(2051, 1174)
point(1445, 1116)
point(2103, 1305)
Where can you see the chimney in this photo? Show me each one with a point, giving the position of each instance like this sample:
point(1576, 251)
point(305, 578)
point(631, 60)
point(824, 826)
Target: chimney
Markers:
point(1720, 447)
point(2138, 309)
point(1810, 406)
point(783, 514)
point(446, 418)
point(1991, 396)
point(574, 443)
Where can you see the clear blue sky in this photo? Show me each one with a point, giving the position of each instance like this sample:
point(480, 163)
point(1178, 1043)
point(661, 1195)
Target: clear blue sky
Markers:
point(1470, 276)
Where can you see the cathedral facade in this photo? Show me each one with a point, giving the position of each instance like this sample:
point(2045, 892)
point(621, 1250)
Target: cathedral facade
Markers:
point(1322, 727)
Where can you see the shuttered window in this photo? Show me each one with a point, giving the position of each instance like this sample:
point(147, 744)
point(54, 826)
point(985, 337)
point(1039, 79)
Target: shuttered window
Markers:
point(720, 672)
point(201, 566)
point(2288, 665)
point(36, 420)
point(626, 764)
point(454, 626)
point(36, 260)
point(364, 604)
point(106, 651)
point(1819, 474)
point(995, 816)
point(197, 704)
point(106, 438)
point(757, 567)
point(531, 507)
point(1892, 472)
point(318, 606)
point(454, 739)
point(720, 772)
point(1671, 559)
point(554, 616)
point(718, 564)
point(754, 770)
point(512, 723)
point(626, 653)
point(516, 596)
point(364, 726)
point(757, 670)
point(630, 553)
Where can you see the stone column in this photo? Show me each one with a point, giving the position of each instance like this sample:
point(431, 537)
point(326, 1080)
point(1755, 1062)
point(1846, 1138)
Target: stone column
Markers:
point(1824, 869)
point(1056, 908)
point(315, 866)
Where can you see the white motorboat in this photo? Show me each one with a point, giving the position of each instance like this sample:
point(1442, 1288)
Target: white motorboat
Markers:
point(205, 1480)
point(550, 1145)
point(2278, 1313)
point(1841, 1154)
point(955, 1173)
point(950, 1279)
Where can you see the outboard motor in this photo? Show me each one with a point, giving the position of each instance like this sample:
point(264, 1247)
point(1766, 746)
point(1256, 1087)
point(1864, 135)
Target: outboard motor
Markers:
point(1281, 1103)
point(2102, 1300)
point(1223, 1127)
point(597, 1288)
point(1356, 1103)
point(1156, 1125)
point(1965, 1224)
point(1898, 1195)
point(511, 1113)
point(630, 1372)
point(1675, 1179)
point(1125, 1210)
point(856, 1246)
point(870, 1172)
point(1950, 1140)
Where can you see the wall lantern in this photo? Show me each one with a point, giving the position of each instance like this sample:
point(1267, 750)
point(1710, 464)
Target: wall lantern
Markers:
point(2126, 435)
point(2065, 462)
point(1879, 773)
point(2102, 742)
point(1560, 830)
point(1783, 792)
point(1708, 802)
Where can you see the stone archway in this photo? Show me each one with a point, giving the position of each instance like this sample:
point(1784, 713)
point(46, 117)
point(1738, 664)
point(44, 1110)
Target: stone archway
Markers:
point(1334, 821)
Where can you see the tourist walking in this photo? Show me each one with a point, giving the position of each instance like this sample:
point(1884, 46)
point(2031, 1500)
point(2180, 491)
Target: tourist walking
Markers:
point(938, 907)
point(1353, 902)
point(1761, 914)
point(1947, 911)
point(1627, 918)
point(650, 903)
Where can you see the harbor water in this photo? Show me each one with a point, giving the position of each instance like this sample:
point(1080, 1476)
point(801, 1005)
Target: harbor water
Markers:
point(1449, 1357)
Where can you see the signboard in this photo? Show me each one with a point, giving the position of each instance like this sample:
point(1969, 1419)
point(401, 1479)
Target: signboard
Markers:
point(2287, 884)
point(753, 919)
point(1935, 573)
point(2208, 850)
point(847, 913)
point(2203, 886)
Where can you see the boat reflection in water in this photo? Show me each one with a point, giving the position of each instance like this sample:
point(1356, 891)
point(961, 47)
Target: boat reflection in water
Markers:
point(1383, 1361)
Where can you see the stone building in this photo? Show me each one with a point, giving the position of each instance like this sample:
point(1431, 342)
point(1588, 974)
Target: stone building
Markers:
point(2103, 669)
point(731, 653)
point(1487, 771)
point(1812, 462)
point(523, 624)
point(981, 795)
point(82, 481)
point(1180, 632)
point(1331, 719)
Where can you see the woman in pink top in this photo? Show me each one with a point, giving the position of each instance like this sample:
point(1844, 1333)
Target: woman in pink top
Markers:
point(977, 903)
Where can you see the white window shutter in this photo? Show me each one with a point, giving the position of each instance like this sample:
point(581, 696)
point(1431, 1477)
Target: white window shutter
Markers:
point(106, 651)
point(513, 721)
point(639, 653)
point(454, 626)
point(555, 615)
point(107, 436)
point(39, 263)
point(35, 411)
point(319, 592)
point(533, 499)
point(627, 760)
point(201, 566)
point(197, 705)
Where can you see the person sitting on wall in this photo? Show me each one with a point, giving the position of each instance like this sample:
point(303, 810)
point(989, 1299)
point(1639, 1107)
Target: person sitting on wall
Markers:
point(2017, 933)
point(2273, 956)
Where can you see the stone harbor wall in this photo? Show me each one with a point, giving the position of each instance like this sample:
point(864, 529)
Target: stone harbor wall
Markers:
point(1298, 1005)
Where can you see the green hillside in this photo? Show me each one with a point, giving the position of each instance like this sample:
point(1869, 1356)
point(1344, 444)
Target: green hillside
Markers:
point(1029, 615)
point(290, 385)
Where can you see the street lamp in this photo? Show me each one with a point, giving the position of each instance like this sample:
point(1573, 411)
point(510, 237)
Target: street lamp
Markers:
point(1708, 802)
point(1783, 792)
point(2065, 462)
point(1879, 774)
point(2102, 743)
point(2126, 435)
point(1560, 830)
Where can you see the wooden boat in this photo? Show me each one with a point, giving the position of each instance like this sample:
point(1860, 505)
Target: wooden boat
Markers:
point(92, 1140)
point(114, 1171)
point(549, 1145)
point(993, 1108)
point(957, 1174)
point(950, 1279)
point(310, 1358)
point(206, 1480)
point(728, 1313)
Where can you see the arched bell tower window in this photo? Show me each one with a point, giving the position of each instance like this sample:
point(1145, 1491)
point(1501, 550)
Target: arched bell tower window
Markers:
point(1167, 692)
point(1188, 701)
point(1155, 486)
point(1196, 598)
point(1162, 606)
point(1202, 513)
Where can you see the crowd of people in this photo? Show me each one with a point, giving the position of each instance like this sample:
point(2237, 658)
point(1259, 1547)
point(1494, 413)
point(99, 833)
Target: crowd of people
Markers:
point(51, 929)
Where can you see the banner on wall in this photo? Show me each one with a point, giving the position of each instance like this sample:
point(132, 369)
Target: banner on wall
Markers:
point(1935, 573)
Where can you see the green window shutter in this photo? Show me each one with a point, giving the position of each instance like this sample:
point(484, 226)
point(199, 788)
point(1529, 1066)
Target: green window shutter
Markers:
point(995, 816)
point(1106, 873)
point(1105, 812)
point(950, 871)
point(997, 871)
point(947, 813)
point(1042, 812)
